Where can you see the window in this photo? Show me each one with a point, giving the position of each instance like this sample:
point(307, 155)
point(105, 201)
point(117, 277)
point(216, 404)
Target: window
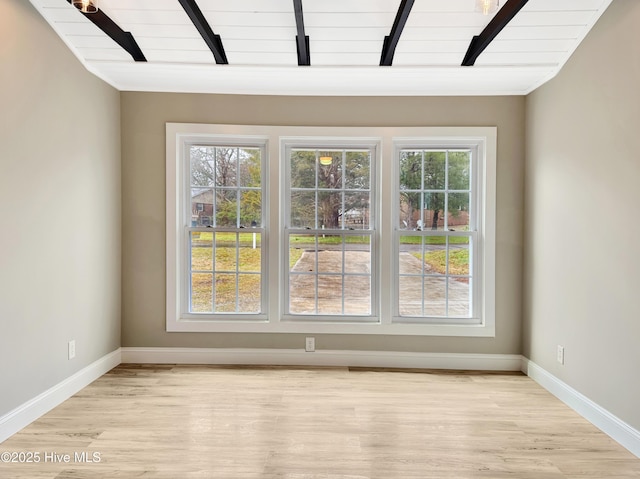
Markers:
point(222, 222)
point(437, 236)
point(365, 230)
point(329, 232)
point(226, 261)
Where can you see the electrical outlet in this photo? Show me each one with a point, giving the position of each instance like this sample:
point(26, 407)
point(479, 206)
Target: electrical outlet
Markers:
point(72, 349)
point(560, 354)
point(310, 344)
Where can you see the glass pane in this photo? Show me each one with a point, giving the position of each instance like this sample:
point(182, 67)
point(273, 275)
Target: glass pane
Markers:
point(410, 210)
point(226, 208)
point(358, 288)
point(201, 251)
point(433, 208)
point(434, 170)
point(250, 167)
point(249, 293)
point(358, 254)
point(303, 210)
point(435, 255)
point(303, 169)
point(458, 218)
point(250, 252)
point(302, 293)
point(225, 293)
point(459, 297)
point(250, 208)
point(410, 255)
point(458, 256)
point(330, 255)
point(410, 170)
point(226, 166)
point(307, 261)
point(410, 295)
point(459, 170)
point(329, 208)
point(357, 295)
point(330, 169)
point(297, 246)
point(225, 252)
point(358, 170)
point(435, 296)
point(201, 206)
point(329, 294)
point(202, 166)
point(201, 293)
point(356, 207)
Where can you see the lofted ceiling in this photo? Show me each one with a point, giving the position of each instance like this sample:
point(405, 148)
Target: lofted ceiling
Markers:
point(346, 43)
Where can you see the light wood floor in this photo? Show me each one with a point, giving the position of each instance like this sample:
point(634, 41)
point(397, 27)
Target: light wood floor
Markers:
point(215, 422)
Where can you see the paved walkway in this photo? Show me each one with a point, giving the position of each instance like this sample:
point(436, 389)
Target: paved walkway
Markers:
point(357, 289)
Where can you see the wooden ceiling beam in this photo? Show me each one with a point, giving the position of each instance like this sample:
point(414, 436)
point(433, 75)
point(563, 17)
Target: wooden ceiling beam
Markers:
point(117, 34)
point(302, 40)
point(497, 23)
point(391, 40)
point(213, 41)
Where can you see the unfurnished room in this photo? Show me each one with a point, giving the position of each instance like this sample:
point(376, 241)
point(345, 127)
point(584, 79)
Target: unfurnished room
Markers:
point(306, 239)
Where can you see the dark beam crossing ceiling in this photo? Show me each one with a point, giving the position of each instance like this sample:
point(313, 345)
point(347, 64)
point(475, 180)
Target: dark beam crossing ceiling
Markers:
point(302, 40)
point(391, 41)
point(497, 23)
point(212, 40)
point(478, 44)
point(117, 34)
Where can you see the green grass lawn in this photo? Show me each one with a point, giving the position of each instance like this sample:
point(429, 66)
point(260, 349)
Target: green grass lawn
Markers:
point(434, 240)
point(458, 261)
point(225, 284)
point(333, 239)
point(225, 292)
point(294, 256)
point(250, 261)
point(229, 239)
point(225, 239)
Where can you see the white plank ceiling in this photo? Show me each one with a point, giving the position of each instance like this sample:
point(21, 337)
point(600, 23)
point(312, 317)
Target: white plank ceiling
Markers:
point(345, 43)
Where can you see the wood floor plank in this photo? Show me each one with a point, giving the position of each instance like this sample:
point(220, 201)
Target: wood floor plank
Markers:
point(315, 423)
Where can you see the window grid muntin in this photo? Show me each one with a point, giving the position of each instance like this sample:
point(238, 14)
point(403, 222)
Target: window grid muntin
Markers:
point(424, 232)
point(344, 234)
point(214, 271)
point(344, 230)
point(259, 230)
point(237, 188)
point(446, 277)
point(342, 190)
point(446, 191)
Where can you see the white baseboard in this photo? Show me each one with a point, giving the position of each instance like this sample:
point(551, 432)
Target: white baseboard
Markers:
point(298, 357)
point(28, 412)
point(611, 425)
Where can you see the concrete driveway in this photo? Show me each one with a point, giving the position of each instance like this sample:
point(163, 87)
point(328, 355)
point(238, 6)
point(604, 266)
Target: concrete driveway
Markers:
point(357, 286)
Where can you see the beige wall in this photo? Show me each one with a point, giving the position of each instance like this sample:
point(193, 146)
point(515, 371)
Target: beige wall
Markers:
point(59, 209)
point(582, 262)
point(143, 140)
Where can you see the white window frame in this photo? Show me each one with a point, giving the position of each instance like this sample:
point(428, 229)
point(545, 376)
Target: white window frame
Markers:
point(286, 145)
point(179, 228)
point(476, 225)
point(185, 248)
point(274, 213)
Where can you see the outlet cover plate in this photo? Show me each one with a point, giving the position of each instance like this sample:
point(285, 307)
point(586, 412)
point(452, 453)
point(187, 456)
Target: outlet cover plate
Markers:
point(310, 344)
point(560, 354)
